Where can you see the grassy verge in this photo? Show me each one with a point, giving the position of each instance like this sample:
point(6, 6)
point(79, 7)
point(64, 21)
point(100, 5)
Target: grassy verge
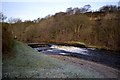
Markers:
point(29, 63)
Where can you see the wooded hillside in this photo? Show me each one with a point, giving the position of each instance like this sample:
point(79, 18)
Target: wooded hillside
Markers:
point(100, 28)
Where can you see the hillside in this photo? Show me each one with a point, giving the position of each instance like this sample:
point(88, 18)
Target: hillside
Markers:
point(94, 29)
point(28, 63)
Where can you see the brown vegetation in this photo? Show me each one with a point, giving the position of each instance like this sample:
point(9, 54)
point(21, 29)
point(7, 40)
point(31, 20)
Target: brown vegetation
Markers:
point(103, 31)
point(93, 28)
point(7, 41)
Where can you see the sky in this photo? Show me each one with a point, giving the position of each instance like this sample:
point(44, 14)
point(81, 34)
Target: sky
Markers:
point(33, 9)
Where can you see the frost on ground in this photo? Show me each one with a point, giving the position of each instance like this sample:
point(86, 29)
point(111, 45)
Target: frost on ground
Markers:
point(29, 63)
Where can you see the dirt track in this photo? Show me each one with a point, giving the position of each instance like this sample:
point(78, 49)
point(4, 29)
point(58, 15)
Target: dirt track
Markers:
point(105, 70)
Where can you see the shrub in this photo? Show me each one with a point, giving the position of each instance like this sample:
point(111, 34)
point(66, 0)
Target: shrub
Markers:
point(7, 40)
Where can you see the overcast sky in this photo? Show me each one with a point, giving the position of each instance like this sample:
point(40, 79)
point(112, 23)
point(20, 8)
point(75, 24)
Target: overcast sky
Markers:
point(33, 9)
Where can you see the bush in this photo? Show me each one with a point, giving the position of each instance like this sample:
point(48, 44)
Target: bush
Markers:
point(7, 40)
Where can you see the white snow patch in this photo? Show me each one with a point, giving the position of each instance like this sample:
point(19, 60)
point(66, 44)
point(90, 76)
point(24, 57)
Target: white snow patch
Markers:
point(92, 48)
point(62, 53)
point(50, 50)
point(71, 49)
point(37, 49)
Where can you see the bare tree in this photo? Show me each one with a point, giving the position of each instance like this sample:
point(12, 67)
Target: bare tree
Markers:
point(108, 8)
point(76, 10)
point(14, 20)
point(2, 17)
point(87, 7)
point(69, 11)
point(119, 5)
point(48, 16)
